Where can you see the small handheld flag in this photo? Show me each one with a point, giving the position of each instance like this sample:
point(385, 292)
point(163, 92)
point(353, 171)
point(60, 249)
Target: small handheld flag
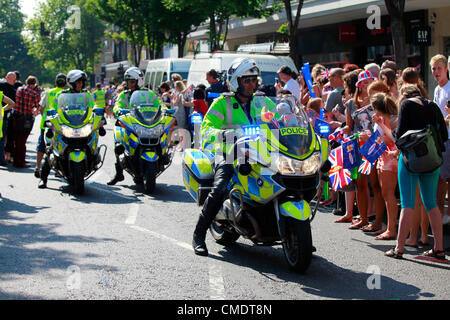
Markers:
point(339, 177)
point(308, 79)
point(373, 148)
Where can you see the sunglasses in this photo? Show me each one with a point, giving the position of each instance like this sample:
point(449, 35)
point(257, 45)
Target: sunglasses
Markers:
point(248, 80)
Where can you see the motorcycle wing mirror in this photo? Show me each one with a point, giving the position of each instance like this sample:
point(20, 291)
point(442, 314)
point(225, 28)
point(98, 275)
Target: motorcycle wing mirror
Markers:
point(123, 112)
point(244, 169)
point(51, 112)
point(169, 111)
point(99, 111)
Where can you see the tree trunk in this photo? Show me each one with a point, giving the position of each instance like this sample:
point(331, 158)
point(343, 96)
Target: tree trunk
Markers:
point(396, 9)
point(181, 41)
point(294, 50)
point(212, 32)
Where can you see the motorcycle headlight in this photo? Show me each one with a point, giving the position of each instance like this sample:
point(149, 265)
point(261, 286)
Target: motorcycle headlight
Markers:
point(288, 166)
point(154, 132)
point(82, 132)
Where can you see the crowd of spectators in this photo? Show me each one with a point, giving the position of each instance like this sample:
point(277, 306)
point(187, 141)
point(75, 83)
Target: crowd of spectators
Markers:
point(354, 99)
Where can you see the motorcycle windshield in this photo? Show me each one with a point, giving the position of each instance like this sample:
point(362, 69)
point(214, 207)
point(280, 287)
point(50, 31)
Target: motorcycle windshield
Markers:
point(143, 107)
point(291, 132)
point(74, 107)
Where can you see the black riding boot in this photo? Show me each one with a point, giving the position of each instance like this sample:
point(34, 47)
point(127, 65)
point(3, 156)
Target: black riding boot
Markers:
point(211, 208)
point(119, 175)
point(45, 171)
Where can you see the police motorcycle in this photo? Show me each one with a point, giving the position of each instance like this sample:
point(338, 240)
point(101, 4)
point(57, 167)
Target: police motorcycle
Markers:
point(142, 141)
point(72, 141)
point(277, 174)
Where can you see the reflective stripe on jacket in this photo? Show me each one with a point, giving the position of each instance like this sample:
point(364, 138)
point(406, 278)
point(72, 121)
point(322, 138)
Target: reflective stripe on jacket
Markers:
point(100, 99)
point(227, 113)
point(124, 97)
point(48, 102)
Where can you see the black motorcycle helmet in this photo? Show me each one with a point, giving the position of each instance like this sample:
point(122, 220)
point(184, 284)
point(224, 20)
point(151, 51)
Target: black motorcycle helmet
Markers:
point(61, 80)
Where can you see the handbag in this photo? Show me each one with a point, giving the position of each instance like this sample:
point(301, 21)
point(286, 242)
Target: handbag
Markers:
point(28, 121)
point(420, 151)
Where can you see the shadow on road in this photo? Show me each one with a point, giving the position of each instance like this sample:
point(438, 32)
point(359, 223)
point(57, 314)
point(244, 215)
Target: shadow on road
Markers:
point(23, 250)
point(323, 278)
point(171, 193)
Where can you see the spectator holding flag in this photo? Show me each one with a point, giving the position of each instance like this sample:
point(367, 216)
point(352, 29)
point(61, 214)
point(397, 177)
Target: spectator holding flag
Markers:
point(385, 107)
point(417, 113)
point(359, 120)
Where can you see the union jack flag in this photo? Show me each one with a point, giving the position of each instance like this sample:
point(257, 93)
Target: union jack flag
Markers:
point(325, 74)
point(336, 135)
point(365, 167)
point(339, 177)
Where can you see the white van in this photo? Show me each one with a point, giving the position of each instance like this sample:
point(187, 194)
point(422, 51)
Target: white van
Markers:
point(160, 70)
point(268, 65)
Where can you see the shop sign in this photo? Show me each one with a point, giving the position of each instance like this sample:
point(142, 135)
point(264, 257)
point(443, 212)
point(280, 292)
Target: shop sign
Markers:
point(347, 33)
point(422, 36)
point(381, 30)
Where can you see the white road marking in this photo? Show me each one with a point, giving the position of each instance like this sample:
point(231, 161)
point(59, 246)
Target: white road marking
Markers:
point(216, 284)
point(97, 178)
point(217, 289)
point(132, 214)
point(164, 237)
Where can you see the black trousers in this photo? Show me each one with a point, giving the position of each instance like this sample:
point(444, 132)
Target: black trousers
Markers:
point(213, 202)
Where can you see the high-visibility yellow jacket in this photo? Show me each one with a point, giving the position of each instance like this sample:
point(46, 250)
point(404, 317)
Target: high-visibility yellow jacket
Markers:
point(48, 101)
point(124, 97)
point(227, 113)
point(100, 98)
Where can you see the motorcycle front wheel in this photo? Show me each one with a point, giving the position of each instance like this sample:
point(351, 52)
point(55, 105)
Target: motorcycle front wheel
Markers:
point(297, 246)
point(150, 177)
point(222, 236)
point(78, 178)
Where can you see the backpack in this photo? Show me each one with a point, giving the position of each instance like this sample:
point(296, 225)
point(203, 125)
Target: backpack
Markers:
point(422, 149)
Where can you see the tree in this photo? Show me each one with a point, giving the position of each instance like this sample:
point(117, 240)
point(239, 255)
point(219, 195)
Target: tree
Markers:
point(219, 12)
point(180, 18)
point(291, 29)
point(66, 47)
point(396, 9)
point(130, 17)
point(14, 53)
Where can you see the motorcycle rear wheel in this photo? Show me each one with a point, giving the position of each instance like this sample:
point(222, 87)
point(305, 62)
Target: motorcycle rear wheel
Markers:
point(222, 236)
point(297, 246)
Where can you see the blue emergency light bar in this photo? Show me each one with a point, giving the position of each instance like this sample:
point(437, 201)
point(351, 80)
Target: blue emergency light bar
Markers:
point(213, 94)
point(252, 130)
point(99, 111)
point(196, 118)
point(322, 128)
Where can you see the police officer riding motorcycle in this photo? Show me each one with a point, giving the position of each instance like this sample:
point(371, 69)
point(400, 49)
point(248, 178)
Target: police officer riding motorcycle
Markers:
point(76, 80)
point(225, 118)
point(134, 78)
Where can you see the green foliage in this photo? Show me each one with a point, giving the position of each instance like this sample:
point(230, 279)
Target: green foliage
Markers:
point(64, 48)
point(219, 13)
point(14, 52)
point(284, 29)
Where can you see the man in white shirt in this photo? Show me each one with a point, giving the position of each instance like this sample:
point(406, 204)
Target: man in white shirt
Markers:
point(289, 78)
point(439, 68)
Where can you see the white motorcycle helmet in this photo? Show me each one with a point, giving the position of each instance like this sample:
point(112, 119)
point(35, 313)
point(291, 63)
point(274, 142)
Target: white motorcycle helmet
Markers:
point(241, 67)
point(75, 75)
point(134, 73)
